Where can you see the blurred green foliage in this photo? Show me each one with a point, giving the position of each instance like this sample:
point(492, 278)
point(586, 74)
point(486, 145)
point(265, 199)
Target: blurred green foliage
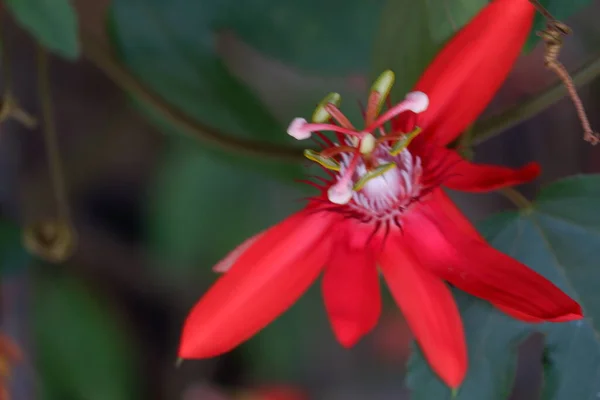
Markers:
point(83, 351)
point(202, 207)
point(408, 41)
point(180, 50)
point(14, 257)
point(246, 69)
point(52, 23)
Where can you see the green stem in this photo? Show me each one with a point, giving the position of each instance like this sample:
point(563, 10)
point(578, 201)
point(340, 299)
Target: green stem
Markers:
point(516, 198)
point(496, 124)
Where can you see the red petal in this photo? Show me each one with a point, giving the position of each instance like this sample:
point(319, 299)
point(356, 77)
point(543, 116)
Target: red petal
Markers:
point(472, 265)
point(264, 281)
point(430, 311)
point(447, 206)
point(470, 177)
point(225, 264)
point(278, 393)
point(351, 291)
point(516, 314)
point(466, 74)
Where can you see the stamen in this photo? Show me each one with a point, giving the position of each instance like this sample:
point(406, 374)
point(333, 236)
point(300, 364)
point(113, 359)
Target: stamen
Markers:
point(372, 107)
point(416, 102)
point(324, 161)
point(334, 151)
point(341, 192)
point(339, 117)
point(368, 167)
point(404, 141)
point(300, 129)
point(367, 144)
point(321, 114)
point(297, 129)
point(374, 173)
point(379, 93)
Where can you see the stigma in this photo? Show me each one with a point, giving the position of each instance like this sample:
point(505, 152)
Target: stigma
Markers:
point(374, 169)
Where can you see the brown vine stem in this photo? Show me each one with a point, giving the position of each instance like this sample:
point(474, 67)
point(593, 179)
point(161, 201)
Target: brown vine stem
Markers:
point(52, 239)
point(496, 124)
point(102, 59)
point(50, 136)
point(516, 198)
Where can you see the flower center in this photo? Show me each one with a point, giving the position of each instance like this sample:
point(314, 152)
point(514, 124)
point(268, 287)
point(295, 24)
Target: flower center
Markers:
point(374, 170)
point(388, 193)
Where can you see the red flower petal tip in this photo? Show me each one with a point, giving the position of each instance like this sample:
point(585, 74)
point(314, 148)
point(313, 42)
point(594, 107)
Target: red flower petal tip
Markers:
point(348, 333)
point(573, 312)
point(568, 318)
point(569, 312)
point(530, 171)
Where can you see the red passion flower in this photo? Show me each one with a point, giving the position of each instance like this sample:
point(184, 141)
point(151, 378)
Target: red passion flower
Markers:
point(383, 211)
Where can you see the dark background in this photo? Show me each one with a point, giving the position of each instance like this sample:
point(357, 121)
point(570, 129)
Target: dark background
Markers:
point(122, 174)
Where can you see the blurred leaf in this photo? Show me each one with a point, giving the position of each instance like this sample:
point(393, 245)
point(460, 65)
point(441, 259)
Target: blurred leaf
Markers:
point(446, 17)
point(83, 353)
point(52, 23)
point(288, 347)
point(411, 33)
point(406, 54)
point(314, 35)
point(560, 239)
point(175, 47)
point(202, 208)
point(560, 9)
point(492, 338)
point(286, 90)
point(14, 257)
point(284, 170)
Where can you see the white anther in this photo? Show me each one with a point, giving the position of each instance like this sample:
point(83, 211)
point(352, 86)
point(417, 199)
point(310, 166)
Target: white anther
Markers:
point(340, 193)
point(417, 102)
point(297, 129)
point(367, 144)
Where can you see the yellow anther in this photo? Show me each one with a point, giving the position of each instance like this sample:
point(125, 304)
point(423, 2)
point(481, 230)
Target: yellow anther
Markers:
point(383, 85)
point(367, 144)
point(374, 173)
point(404, 141)
point(321, 115)
point(326, 162)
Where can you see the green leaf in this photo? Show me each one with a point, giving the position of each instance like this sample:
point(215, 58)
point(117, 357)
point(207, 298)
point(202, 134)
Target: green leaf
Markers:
point(284, 350)
point(13, 256)
point(560, 239)
point(447, 17)
point(182, 51)
point(560, 9)
point(411, 33)
point(52, 22)
point(202, 208)
point(82, 350)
